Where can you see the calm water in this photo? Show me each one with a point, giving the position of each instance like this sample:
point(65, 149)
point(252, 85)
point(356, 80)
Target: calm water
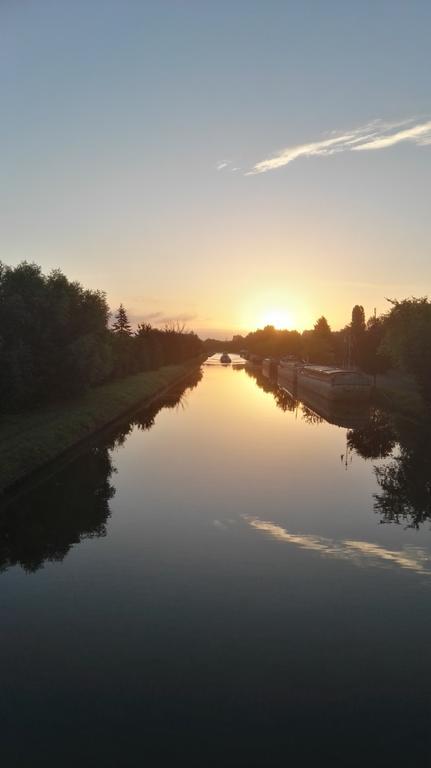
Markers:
point(213, 584)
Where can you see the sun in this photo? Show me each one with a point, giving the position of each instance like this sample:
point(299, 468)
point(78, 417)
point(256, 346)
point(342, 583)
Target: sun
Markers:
point(278, 317)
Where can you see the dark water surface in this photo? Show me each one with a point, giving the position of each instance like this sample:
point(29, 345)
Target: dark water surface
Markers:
point(213, 584)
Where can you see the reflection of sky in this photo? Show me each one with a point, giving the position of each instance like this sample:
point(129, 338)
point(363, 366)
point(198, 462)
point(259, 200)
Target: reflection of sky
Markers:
point(202, 598)
point(358, 552)
point(233, 452)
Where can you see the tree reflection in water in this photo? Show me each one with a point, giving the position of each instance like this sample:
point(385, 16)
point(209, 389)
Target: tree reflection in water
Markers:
point(284, 400)
point(144, 418)
point(43, 524)
point(376, 439)
point(405, 479)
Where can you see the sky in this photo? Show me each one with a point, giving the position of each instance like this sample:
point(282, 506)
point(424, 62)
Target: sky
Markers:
point(226, 164)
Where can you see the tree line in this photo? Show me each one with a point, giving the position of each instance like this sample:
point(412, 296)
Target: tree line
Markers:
point(56, 341)
point(399, 338)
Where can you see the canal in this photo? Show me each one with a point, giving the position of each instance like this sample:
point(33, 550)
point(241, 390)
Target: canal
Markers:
point(234, 577)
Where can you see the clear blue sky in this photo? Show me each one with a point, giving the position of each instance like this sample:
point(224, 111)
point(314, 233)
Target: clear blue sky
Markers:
point(117, 114)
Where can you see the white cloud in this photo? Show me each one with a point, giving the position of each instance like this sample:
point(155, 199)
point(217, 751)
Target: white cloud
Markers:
point(222, 164)
point(375, 135)
point(419, 134)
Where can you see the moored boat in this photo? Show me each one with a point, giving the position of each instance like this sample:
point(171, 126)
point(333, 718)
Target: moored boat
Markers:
point(288, 368)
point(225, 359)
point(254, 361)
point(334, 383)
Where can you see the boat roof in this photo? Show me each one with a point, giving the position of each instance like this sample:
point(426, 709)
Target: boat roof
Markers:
point(329, 370)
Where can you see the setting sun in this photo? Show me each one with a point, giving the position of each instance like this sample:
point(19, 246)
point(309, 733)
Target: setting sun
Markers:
point(279, 318)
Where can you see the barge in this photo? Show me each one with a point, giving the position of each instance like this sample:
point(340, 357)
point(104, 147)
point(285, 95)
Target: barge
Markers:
point(334, 383)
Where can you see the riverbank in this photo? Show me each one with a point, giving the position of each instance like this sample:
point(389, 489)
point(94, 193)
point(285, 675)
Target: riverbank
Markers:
point(28, 441)
point(398, 391)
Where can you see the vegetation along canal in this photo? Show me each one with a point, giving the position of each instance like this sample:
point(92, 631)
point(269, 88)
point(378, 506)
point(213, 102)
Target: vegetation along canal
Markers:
point(232, 565)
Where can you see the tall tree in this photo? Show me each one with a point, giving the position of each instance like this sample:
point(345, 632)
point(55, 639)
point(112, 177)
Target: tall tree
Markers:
point(357, 334)
point(358, 319)
point(319, 343)
point(322, 328)
point(407, 340)
point(121, 324)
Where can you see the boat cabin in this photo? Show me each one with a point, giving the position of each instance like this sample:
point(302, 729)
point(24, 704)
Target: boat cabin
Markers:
point(335, 376)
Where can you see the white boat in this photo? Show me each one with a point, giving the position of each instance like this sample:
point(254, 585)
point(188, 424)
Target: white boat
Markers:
point(225, 359)
point(334, 383)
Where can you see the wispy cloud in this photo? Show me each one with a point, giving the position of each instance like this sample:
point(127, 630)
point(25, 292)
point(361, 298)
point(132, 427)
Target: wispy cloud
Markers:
point(160, 318)
point(226, 165)
point(375, 135)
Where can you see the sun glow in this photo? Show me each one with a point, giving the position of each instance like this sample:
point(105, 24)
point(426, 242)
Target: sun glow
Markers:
point(279, 318)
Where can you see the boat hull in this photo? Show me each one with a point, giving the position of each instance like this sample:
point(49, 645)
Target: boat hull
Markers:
point(339, 393)
point(269, 368)
point(287, 376)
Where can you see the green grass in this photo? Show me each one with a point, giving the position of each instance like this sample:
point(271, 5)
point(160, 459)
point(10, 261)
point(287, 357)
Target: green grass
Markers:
point(398, 392)
point(30, 440)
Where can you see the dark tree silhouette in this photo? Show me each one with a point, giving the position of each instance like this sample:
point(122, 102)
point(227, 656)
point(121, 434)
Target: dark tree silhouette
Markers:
point(121, 324)
point(55, 341)
point(53, 337)
point(357, 334)
point(318, 343)
point(407, 340)
point(321, 328)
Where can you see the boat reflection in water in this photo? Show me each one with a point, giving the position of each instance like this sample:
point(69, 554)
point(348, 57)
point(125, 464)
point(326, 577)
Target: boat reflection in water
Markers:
point(270, 367)
point(404, 481)
point(290, 394)
point(343, 413)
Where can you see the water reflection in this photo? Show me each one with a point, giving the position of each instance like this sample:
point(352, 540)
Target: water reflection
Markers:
point(376, 438)
point(243, 579)
point(284, 399)
point(144, 419)
point(405, 481)
point(43, 525)
point(373, 433)
point(357, 552)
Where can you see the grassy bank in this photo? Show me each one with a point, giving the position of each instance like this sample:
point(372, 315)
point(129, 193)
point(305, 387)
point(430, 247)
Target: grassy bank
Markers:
point(31, 440)
point(398, 391)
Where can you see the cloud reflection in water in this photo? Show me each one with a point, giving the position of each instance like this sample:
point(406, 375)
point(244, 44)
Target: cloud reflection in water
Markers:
point(358, 552)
